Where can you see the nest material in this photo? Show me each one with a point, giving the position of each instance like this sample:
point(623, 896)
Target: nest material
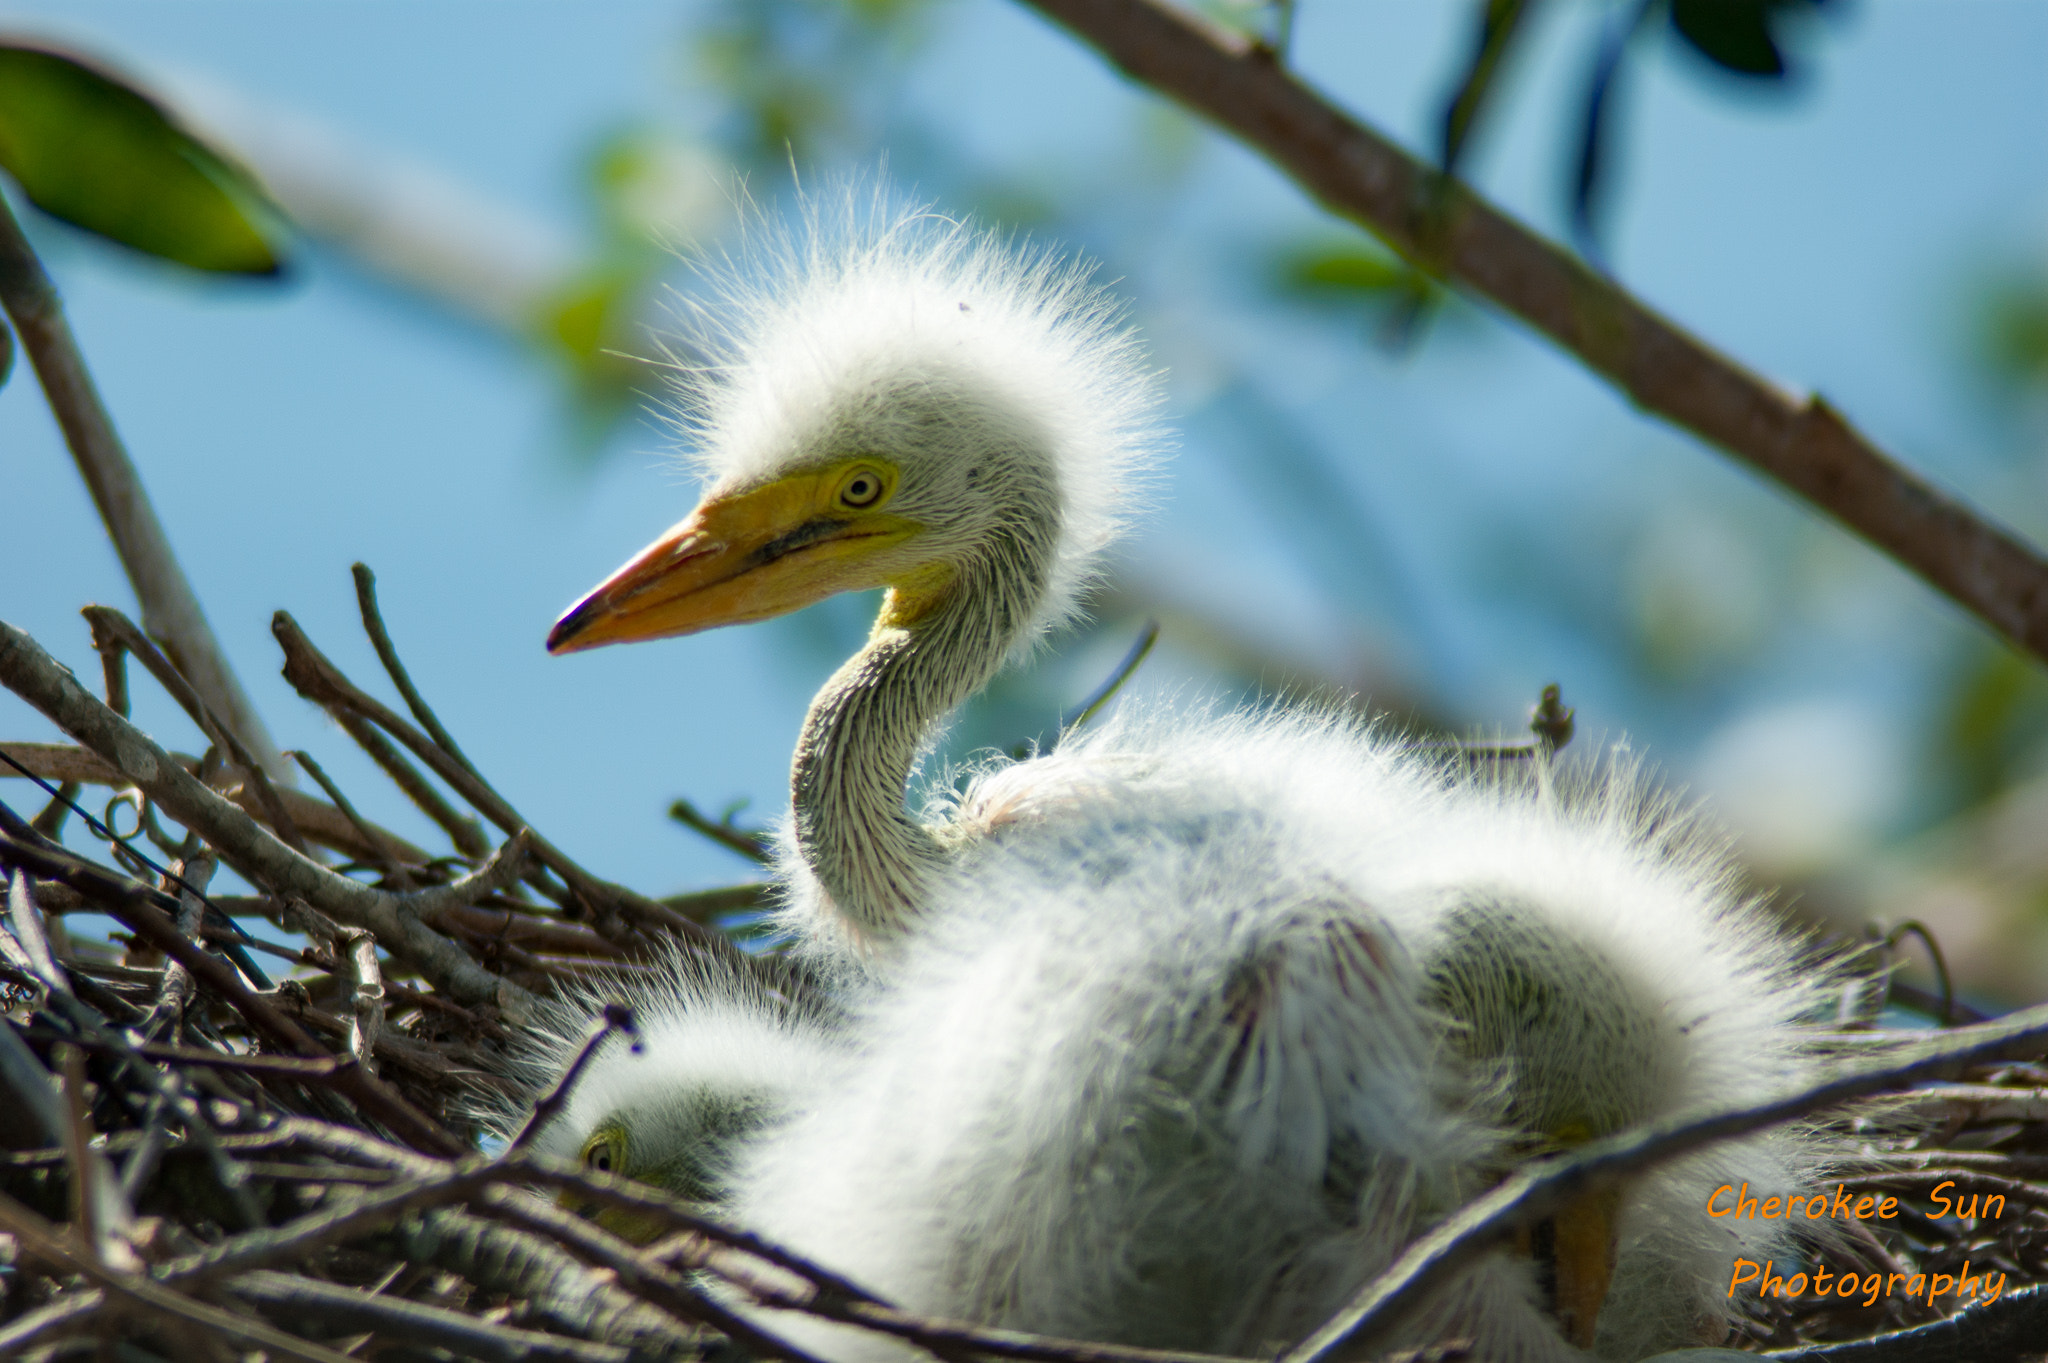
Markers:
point(196, 1161)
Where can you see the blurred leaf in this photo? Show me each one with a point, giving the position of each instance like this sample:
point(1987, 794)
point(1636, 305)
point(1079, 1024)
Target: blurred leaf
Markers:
point(1342, 271)
point(91, 150)
point(594, 326)
point(1738, 35)
point(1501, 22)
point(2015, 331)
point(1602, 87)
point(1734, 34)
point(6, 355)
point(1995, 719)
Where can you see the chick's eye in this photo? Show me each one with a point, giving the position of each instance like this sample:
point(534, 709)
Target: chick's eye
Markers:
point(602, 1155)
point(862, 489)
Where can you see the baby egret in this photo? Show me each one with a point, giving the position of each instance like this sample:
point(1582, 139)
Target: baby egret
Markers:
point(725, 1061)
point(1176, 1035)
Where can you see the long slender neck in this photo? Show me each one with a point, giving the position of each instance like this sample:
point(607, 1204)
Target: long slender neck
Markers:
point(868, 723)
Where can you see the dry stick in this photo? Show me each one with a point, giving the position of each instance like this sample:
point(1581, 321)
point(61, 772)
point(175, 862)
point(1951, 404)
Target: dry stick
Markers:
point(40, 1239)
point(615, 1017)
point(320, 681)
point(343, 1310)
point(23, 1331)
point(1541, 1188)
point(755, 847)
point(168, 605)
point(593, 1244)
point(92, 1031)
point(1358, 174)
point(464, 830)
point(133, 904)
point(39, 679)
point(387, 654)
point(555, 1286)
point(112, 630)
point(699, 905)
point(366, 1000)
point(360, 1214)
point(319, 821)
point(387, 859)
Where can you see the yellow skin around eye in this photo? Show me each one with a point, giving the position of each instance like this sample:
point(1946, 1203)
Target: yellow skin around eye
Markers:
point(866, 486)
point(605, 1152)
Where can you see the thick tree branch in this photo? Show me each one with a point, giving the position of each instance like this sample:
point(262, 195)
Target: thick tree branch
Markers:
point(169, 607)
point(1358, 174)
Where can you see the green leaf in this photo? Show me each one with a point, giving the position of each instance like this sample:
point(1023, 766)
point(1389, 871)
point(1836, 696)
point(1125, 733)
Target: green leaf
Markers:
point(6, 355)
point(90, 149)
point(1343, 271)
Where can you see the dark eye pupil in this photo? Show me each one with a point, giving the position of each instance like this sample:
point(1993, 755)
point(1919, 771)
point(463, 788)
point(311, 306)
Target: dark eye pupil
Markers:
point(603, 1160)
point(861, 490)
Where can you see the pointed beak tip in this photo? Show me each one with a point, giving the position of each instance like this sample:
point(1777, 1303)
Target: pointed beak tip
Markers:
point(562, 638)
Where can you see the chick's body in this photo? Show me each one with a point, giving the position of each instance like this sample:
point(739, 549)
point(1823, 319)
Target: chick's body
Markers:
point(1222, 1013)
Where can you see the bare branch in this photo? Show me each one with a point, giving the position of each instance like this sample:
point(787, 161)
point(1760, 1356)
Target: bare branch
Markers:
point(39, 679)
point(320, 681)
point(615, 1017)
point(1359, 174)
point(169, 607)
point(342, 1310)
point(113, 631)
point(387, 654)
point(321, 822)
point(41, 1240)
point(134, 905)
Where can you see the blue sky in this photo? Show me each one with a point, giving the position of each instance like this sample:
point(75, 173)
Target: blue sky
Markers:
point(1827, 239)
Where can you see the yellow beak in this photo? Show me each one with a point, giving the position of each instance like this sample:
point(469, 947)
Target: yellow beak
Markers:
point(738, 557)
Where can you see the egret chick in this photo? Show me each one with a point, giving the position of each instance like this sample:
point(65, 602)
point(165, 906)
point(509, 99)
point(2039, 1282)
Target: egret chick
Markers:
point(1178, 1034)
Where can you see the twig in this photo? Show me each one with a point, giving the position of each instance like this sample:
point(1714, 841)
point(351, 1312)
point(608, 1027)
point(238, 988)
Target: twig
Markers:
point(365, 1000)
point(364, 1212)
point(131, 903)
point(125, 852)
point(319, 821)
point(39, 679)
point(596, 1245)
point(43, 1241)
point(388, 859)
point(1913, 927)
point(463, 830)
point(1359, 174)
point(753, 846)
point(699, 905)
point(286, 1297)
point(615, 1017)
point(168, 605)
point(380, 639)
point(316, 678)
point(112, 630)
point(1540, 1188)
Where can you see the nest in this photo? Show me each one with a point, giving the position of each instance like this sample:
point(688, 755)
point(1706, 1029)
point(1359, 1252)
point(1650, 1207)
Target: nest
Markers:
point(199, 1160)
